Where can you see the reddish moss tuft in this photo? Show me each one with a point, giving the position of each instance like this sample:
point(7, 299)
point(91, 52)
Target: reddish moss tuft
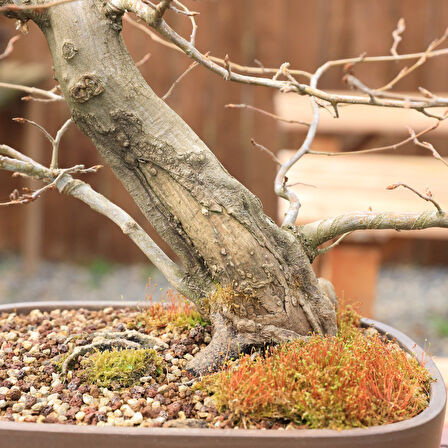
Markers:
point(174, 310)
point(351, 380)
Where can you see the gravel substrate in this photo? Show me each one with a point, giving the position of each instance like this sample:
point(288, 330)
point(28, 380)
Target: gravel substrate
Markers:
point(32, 389)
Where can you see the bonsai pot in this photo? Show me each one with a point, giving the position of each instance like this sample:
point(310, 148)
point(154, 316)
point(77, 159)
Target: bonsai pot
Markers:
point(421, 431)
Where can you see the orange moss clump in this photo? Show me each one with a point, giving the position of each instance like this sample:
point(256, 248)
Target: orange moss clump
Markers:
point(174, 310)
point(351, 380)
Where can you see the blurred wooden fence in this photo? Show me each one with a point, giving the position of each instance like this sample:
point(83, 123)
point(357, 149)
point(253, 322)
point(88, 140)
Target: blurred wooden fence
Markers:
point(303, 32)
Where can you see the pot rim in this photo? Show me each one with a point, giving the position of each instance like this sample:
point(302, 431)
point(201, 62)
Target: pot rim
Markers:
point(435, 407)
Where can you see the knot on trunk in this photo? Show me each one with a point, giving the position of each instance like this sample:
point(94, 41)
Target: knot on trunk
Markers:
point(87, 86)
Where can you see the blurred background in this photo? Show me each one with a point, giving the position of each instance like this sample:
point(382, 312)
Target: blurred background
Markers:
point(58, 249)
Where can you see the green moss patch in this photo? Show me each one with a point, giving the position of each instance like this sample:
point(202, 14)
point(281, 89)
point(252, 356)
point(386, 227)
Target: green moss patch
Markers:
point(351, 380)
point(121, 367)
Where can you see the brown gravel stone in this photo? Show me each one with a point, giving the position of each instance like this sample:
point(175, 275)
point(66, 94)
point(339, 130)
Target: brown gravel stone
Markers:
point(30, 400)
point(57, 389)
point(13, 394)
point(46, 410)
point(116, 403)
point(83, 389)
point(76, 400)
point(51, 419)
point(149, 412)
point(94, 391)
point(151, 391)
point(173, 409)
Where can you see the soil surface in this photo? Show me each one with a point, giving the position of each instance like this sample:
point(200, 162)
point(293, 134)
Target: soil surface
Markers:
point(32, 389)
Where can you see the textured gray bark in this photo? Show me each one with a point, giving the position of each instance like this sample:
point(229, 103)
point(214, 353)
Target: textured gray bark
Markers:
point(266, 289)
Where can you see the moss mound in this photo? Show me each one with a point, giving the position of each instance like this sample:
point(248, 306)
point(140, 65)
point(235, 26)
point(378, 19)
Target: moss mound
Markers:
point(121, 367)
point(355, 379)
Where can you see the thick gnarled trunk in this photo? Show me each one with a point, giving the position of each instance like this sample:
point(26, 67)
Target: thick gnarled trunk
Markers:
point(259, 278)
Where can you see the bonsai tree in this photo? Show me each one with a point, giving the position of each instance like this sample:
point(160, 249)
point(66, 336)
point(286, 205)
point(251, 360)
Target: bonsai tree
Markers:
point(252, 278)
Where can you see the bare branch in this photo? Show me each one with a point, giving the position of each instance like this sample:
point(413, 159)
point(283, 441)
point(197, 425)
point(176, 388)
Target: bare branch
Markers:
point(395, 146)
point(427, 146)
point(407, 70)
point(265, 112)
point(39, 7)
point(9, 47)
point(333, 245)
point(234, 66)
point(318, 232)
point(267, 151)
point(178, 80)
point(396, 35)
point(161, 8)
point(426, 197)
point(143, 60)
point(37, 125)
point(191, 14)
point(65, 183)
point(47, 94)
point(56, 142)
point(292, 85)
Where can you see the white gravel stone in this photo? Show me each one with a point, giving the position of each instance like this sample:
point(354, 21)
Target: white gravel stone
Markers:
point(88, 399)
point(137, 418)
point(18, 407)
point(3, 390)
point(44, 390)
point(132, 402)
point(38, 406)
point(171, 378)
point(3, 404)
point(127, 411)
point(11, 336)
point(27, 345)
point(80, 416)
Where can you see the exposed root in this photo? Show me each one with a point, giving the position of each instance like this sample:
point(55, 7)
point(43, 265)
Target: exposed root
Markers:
point(106, 340)
point(228, 342)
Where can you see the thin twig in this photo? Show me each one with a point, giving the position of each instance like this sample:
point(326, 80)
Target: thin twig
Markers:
point(143, 60)
point(178, 80)
point(332, 246)
point(427, 146)
point(194, 26)
point(266, 150)
point(49, 95)
point(380, 148)
point(9, 47)
point(56, 142)
point(37, 125)
point(265, 112)
point(407, 70)
point(396, 35)
point(426, 197)
point(40, 6)
point(236, 67)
